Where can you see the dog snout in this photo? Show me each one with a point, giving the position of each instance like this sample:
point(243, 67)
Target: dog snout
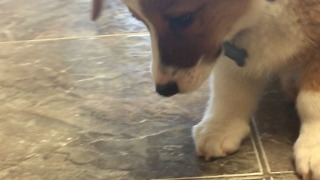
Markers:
point(168, 90)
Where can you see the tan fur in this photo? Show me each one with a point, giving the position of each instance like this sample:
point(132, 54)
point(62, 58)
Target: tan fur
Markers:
point(309, 11)
point(96, 8)
point(184, 48)
point(309, 57)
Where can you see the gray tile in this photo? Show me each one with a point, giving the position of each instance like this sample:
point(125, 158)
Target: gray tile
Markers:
point(278, 125)
point(285, 177)
point(86, 109)
point(248, 177)
point(28, 20)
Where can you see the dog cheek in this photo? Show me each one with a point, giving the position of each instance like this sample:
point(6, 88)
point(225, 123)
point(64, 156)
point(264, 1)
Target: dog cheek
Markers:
point(188, 81)
point(192, 79)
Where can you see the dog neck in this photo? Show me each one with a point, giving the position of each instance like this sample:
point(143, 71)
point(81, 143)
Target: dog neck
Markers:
point(232, 49)
point(274, 39)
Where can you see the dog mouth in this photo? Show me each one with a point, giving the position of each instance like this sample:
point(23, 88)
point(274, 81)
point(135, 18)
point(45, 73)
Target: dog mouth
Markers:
point(172, 81)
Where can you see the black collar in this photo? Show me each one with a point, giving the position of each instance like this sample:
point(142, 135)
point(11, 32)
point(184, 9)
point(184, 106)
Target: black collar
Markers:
point(236, 54)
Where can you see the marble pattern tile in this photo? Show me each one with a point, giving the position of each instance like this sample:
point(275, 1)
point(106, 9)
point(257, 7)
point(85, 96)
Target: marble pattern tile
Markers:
point(285, 177)
point(30, 20)
point(86, 109)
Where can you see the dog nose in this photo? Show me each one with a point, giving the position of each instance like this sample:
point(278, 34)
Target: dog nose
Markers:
point(168, 90)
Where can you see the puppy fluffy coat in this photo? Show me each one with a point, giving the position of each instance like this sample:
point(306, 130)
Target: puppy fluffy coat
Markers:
point(282, 38)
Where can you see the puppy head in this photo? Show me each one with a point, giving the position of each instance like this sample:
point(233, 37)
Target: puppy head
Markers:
point(186, 38)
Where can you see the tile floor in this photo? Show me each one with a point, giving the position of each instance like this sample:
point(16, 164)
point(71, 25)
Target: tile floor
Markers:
point(78, 103)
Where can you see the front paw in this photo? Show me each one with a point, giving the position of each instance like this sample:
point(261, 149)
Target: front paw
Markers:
point(215, 139)
point(307, 155)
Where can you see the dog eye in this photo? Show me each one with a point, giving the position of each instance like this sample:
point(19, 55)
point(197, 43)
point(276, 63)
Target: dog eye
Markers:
point(181, 22)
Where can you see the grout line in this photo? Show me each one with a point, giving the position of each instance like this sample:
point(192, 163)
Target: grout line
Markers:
point(282, 173)
point(274, 175)
point(76, 37)
point(261, 150)
point(250, 175)
point(256, 152)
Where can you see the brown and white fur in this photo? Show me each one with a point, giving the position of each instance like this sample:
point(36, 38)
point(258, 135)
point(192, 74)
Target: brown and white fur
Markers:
point(282, 38)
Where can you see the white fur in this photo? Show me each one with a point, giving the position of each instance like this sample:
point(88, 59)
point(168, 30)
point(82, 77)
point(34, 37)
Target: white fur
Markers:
point(225, 124)
point(307, 147)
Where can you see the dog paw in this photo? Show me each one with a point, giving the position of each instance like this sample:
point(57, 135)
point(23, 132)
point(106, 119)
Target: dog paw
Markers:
point(307, 156)
point(216, 139)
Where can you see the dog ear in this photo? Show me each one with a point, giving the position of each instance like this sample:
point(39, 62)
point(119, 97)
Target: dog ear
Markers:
point(97, 6)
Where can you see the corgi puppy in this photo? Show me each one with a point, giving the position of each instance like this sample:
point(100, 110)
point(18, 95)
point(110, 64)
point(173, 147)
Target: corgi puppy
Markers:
point(240, 45)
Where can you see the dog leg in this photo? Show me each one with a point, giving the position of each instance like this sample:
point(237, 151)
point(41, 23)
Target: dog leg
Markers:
point(307, 147)
point(234, 97)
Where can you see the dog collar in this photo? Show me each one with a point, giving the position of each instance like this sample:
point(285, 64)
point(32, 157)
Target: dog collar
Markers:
point(236, 54)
